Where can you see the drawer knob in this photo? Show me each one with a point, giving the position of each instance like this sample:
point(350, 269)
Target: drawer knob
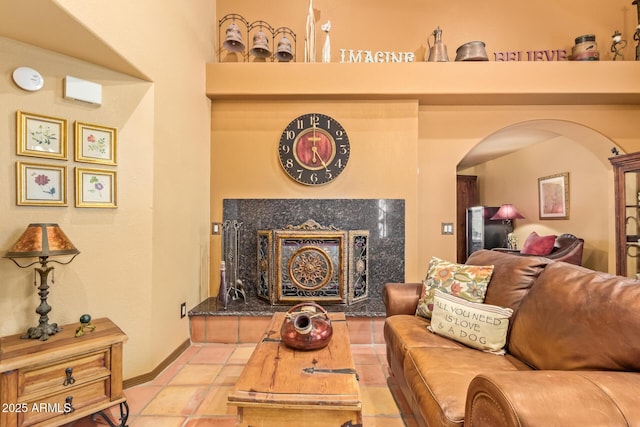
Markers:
point(68, 405)
point(69, 380)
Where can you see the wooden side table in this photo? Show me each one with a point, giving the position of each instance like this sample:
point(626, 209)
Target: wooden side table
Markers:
point(65, 378)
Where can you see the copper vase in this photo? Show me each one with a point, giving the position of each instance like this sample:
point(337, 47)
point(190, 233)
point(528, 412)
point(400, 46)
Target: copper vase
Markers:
point(306, 327)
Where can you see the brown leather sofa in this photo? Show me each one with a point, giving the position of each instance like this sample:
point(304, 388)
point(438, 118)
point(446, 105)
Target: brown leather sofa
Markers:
point(573, 350)
point(567, 248)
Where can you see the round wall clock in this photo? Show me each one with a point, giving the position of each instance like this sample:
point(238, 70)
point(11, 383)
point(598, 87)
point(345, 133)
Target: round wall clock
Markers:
point(314, 149)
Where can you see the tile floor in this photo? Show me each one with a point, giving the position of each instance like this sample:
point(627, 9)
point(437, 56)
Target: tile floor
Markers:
point(192, 391)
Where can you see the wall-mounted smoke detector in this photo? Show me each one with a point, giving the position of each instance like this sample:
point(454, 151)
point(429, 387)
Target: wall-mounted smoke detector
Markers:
point(28, 79)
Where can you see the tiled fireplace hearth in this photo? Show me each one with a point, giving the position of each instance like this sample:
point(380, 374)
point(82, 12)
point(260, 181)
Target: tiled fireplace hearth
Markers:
point(380, 220)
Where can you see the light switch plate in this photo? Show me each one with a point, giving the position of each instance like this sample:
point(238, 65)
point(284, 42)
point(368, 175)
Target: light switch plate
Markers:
point(446, 228)
point(216, 228)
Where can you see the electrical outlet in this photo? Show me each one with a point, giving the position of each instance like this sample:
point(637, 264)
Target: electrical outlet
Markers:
point(183, 309)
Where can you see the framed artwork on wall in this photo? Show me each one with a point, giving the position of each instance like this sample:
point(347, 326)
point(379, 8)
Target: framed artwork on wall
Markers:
point(95, 143)
point(41, 136)
point(96, 188)
point(41, 185)
point(553, 196)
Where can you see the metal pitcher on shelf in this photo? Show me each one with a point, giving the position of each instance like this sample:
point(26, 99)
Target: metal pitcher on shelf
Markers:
point(437, 52)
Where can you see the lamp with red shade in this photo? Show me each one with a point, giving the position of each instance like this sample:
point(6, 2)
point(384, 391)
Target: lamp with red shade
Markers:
point(507, 213)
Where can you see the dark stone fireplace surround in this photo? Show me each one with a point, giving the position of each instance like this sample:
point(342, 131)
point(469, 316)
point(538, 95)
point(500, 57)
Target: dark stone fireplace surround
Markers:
point(384, 218)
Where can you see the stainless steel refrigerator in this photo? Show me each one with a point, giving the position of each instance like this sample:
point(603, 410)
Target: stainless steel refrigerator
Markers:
point(482, 231)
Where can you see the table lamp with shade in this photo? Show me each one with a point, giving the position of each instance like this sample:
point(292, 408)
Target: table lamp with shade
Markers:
point(42, 241)
point(507, 213)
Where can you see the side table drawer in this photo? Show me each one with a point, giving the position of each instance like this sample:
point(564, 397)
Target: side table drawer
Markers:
point(59, 376)
point(63, 403)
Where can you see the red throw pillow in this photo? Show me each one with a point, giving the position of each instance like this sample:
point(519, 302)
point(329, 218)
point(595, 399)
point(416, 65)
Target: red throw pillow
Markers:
point(538, 245)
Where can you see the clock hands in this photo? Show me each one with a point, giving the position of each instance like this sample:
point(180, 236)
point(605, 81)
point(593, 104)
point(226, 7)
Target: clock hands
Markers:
point(314, 149)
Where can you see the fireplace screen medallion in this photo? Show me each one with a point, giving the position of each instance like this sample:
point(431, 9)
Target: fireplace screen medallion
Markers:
point(311, 262)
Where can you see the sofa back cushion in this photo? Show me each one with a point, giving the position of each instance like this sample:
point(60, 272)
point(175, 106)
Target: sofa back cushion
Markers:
point(512, 276)
point(578, 319)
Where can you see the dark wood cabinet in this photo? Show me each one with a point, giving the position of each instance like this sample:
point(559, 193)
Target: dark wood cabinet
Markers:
point(466, 196)
point(626, 175)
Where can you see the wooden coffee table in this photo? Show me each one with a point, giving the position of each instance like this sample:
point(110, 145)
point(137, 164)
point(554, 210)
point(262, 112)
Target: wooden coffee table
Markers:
point(281, 386)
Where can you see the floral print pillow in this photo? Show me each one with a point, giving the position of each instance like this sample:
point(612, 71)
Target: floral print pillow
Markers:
point(463, 281)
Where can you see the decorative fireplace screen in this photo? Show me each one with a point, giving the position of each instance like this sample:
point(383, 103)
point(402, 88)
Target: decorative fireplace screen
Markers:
point(311, 262)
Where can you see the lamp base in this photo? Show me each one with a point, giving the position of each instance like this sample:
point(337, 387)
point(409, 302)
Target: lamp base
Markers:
point(42, 332)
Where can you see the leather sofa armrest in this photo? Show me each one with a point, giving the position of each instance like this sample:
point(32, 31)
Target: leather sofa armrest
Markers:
point(544, 398)
point(401, 298)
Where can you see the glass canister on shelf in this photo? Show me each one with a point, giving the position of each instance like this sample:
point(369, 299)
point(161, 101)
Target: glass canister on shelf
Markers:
point(585, 49)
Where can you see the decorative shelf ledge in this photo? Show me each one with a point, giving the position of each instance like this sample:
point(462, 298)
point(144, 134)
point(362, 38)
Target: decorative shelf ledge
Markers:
point(443, 83)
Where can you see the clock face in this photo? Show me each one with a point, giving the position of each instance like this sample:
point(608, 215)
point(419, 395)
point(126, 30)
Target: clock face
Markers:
point(314, 149)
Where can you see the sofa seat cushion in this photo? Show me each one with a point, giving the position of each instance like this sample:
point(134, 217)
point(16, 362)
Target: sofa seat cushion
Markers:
point(402, 332)
point(438, 379)
point(405, 331)
point(578, 319)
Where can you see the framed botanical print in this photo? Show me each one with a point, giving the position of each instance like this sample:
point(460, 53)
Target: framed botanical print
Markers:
point(41, 136)
point(553, 196)
point(41, 184)
point(96, 188)
point(95, 143)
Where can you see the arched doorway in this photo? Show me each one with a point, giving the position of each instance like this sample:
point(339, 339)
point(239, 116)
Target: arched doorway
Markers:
point(509, 162)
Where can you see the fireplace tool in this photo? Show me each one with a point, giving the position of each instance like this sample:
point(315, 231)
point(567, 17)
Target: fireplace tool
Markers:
point(231, 254)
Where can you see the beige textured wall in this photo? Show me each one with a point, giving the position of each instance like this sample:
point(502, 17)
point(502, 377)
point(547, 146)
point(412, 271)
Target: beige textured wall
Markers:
point(504, 180)
point(413, 152)
point(104, 280)
point(245, 163)
point(140, 261)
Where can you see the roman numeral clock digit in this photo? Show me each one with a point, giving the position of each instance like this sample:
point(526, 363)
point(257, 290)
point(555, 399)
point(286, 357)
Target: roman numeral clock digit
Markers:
point(314, 149)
